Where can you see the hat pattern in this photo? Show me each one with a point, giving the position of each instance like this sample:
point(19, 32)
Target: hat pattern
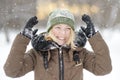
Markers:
point(60, 16)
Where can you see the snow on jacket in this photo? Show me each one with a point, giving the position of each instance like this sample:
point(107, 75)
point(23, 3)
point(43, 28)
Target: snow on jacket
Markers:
point(20, 62)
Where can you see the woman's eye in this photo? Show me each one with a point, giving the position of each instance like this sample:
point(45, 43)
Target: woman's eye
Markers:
point(67, 29)
point(57, 27)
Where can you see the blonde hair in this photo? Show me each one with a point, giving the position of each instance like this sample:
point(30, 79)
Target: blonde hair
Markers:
point(70, 42)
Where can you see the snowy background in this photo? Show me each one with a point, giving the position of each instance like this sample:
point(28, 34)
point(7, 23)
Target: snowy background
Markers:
point(104, 13)
point(111, 37)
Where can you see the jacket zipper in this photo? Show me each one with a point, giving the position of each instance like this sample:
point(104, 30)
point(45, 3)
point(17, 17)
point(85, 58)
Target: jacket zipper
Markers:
point(61, 64)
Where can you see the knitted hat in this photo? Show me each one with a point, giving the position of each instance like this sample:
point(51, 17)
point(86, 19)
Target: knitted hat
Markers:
point(60, 16)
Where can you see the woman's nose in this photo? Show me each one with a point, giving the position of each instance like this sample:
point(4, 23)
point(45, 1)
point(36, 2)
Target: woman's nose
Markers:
point(62, 32)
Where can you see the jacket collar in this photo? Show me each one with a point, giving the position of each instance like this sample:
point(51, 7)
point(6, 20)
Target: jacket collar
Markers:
point(65, 49)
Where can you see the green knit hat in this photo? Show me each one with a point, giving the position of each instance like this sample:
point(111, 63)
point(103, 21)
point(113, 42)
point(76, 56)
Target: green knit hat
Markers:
point(60, 16)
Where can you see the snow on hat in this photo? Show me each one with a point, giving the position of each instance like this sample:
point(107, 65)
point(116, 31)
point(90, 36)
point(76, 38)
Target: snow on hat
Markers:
point(60, 16)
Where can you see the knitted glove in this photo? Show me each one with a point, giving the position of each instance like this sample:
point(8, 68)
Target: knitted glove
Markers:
point(27, 31)
point(90, 30)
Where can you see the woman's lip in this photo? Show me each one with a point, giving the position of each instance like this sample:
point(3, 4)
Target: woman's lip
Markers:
point(60, 38)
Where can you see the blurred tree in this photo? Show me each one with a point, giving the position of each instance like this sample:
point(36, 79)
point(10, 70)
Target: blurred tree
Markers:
point(14, 13)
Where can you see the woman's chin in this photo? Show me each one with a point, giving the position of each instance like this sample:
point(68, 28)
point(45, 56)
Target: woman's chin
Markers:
point(61, 43)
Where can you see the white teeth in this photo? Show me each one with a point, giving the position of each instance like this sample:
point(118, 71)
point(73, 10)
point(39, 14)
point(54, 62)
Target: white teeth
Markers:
point(61, 38)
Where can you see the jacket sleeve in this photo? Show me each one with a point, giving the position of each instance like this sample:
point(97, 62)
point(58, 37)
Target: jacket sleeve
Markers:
point(98, 62)
point(18, 62)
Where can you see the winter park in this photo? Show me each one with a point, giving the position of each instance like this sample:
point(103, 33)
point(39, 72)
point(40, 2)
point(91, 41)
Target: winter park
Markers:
point(104, 15)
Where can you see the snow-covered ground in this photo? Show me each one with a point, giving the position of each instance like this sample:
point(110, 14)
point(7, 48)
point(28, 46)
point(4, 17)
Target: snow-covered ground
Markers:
point(111, 37)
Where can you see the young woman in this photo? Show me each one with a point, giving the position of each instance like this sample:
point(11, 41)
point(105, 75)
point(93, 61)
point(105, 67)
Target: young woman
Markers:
point(59, 53)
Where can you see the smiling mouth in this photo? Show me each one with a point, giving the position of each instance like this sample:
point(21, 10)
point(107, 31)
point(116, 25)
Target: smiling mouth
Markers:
point(62, 39)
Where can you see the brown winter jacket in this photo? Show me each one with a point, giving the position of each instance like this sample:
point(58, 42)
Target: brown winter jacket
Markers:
point(19, 63)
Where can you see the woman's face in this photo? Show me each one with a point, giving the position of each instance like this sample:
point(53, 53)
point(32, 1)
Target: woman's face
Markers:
point(61, 33)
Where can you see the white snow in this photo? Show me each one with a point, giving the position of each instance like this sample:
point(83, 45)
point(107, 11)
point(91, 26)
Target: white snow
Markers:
point(111, 37)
